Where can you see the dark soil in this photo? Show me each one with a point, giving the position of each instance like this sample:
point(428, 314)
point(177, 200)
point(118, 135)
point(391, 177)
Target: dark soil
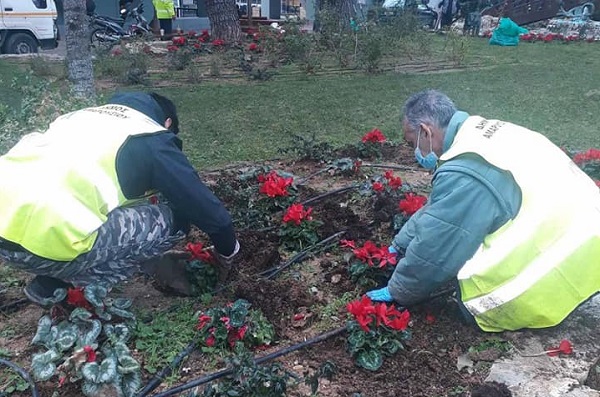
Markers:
point(491, 389)
point(427, 366)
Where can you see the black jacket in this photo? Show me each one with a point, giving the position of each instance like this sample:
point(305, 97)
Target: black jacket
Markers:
point(156, 162)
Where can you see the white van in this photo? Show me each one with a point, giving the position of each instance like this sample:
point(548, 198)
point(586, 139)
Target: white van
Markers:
point(27, 25)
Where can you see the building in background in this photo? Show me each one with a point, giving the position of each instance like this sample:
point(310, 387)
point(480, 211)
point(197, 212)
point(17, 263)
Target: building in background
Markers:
point(191, 14)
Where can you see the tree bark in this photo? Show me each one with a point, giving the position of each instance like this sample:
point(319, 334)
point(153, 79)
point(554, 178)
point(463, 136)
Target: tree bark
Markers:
point(79, 56)
point(224, 20)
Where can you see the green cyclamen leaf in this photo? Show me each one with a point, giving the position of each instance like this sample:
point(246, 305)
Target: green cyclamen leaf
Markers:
point(66, 338)
point(108, 370)
point(121, 313)
point(80, 314)
point(90, 372)
point(42, 365)
point(90, 389)
point(42, 335)
point(127, 365)
point(370, 359)
point(131, 383)
point(95, 294)
point(90, 337)
point(122, 303)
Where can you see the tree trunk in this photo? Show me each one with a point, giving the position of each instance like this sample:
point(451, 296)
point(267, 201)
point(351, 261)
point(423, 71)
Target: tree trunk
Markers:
point(339, 10)
point(79, 56)
point(224, 20)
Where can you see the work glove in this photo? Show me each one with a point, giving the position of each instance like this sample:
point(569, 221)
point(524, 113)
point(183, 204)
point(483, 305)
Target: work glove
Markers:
point(380, 295)
point(225, 264)
point(392, 250)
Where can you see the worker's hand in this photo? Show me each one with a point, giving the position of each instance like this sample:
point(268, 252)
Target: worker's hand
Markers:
point(380, 295)
point(226, 264)
point(392, 250)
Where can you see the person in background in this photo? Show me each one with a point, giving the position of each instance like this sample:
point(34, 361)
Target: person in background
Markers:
point(75, 198)
point(165, 13)
point(510, 216)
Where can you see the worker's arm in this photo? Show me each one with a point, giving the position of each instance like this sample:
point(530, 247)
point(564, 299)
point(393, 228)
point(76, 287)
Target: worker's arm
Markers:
point(462, 210)
point(178, 181)
point(406, 233)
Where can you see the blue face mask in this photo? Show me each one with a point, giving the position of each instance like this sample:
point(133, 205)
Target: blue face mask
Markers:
point(428, 162)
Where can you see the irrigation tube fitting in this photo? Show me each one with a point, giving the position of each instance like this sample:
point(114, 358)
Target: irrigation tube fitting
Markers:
point(224, 372)
point(23, 374)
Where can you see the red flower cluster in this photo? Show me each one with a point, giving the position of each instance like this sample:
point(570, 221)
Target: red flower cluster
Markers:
point(204, 36)
point(253, 47)
point(274, 185)
point(370, 253)
point(178, 40)
point(191, 34)
point(395, 182)
point(296, 213)
point(375, 136)
point(588, 155)
point(172, 48)
point(368, 313)
point(199, 252)
point(76, 298)
point(378, 187)
point(549, 37)
point(218, 42)
point(233, 334)
point(412, 203)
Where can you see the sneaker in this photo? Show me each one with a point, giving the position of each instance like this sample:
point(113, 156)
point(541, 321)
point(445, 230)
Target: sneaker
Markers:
point(41, 289)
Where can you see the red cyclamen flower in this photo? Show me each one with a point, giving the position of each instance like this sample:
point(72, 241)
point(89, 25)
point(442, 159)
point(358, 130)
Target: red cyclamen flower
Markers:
point(375, 135)
point(296, 213)
point(275, 185)
point(199, 252)
point(412, 203)
point(588, 155)
point(76, 298)
point(378, 187)
point(91, 354)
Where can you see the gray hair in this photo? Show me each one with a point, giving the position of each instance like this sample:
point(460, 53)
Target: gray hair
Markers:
point(429, 107)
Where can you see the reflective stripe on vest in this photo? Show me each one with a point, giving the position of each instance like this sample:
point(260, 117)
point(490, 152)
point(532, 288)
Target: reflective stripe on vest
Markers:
point(538, 267)
point(58, 187)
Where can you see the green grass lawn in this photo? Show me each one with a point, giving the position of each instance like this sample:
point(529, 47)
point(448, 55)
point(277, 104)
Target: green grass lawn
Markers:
point(551, 88)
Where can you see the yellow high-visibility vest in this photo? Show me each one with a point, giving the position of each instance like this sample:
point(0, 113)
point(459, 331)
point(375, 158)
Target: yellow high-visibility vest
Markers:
point(58, 187)
point(539, 266)
point(164, 9)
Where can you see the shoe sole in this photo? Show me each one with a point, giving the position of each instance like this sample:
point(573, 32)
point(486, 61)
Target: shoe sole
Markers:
point(33, 299)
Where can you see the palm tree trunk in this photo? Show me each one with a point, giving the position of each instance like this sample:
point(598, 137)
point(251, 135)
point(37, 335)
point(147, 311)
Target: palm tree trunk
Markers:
point(224, 20)
point(79, 56)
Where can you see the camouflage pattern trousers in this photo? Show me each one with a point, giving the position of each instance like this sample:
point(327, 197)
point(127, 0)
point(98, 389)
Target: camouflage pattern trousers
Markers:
point(129, 237)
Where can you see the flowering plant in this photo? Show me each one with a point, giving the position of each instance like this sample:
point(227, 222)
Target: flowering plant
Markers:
point(411, 203)
point(75, 350)
point(226, 327)
point(375, 330)
point(201, 271)
point(279, 190)
point(299, 229)
point(589, 162)
point(388, 183)
point(369, 265)
point(370, 144)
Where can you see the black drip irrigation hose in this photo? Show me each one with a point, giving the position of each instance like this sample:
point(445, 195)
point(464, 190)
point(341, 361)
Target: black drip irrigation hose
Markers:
point(166, 371)
point(330, 193)
point(272, 272)
point(219, 374)
point(13, 305)
point(23, 374)
point(392, 167)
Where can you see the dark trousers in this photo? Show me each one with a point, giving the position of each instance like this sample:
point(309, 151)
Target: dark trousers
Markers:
point(166, 25)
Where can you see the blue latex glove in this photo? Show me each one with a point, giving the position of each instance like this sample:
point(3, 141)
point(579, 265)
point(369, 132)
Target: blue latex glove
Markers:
point(392, 250)
point(380, 295)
